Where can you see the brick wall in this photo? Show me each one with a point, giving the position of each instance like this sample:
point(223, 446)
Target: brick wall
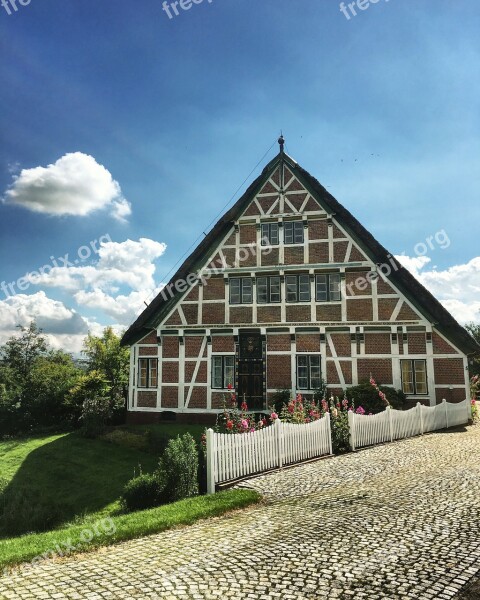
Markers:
point(293, 255)
point(342, 344)
point(308, 343)
point(417, 343)
point(318, 253)
point(214, 289)
point(198, 399)
point(191, 313)
point(151, 338)
point(360, 310)
point(269, 314)
point(318, 230)
point(147, 399)
point(298, 313)
point(449, 371)
point(440, 346)
point(380, 368)
point(377, 343)
point(279, 342)
point(329, 312)
point(193, 345)
point(241, 314)
point(455, 395)
point(270, 257)
point(190, 369)
point(150, 351)
point(169, 397)
point(213, 314)
point(357, 278)
point(170, 372)
point(339, 251)
point(223, 343)
point(386, 306)
point(248, 234)
point(279, 371)
point(170, 346)
point(332, 373)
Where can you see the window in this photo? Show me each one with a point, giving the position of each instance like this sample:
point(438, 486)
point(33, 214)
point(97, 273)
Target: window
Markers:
point(298, 288)
point(270, 234)
point(268, 290)
point(414, 376)
point(241, 290)
point(328, 288)
point(223, 372)
point(293, 232)
point(147, 372)
point(309, 376)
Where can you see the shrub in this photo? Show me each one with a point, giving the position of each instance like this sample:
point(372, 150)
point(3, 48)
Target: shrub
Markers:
point(279, 398)
point(178, 468)
point(157, 441)
point(144, 491)
point(367, 396)
point(95, 412)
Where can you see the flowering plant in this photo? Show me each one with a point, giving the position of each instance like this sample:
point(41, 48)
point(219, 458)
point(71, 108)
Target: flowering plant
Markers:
point(381, 395)
point(238, 419)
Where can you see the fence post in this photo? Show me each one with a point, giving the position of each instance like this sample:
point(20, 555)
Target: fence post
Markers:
point(420, 419)
point(446, 412)
point(279, 435)
point(210, 461)
point(390, 423)
point(351, 429)
point(329, 432)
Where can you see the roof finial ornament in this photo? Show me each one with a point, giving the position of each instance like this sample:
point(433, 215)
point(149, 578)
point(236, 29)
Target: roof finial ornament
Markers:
point(281, 141)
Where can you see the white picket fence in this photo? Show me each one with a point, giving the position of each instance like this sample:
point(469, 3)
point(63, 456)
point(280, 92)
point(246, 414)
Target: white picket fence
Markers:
point(231, 456)
point(390, 425)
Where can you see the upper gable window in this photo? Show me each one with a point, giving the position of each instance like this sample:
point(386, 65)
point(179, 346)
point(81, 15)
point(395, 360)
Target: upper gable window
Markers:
point(270, 235)
point(328, 288)
point(241, 290)
point(293, 232)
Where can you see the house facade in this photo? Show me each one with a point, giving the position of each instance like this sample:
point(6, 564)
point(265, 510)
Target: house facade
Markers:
point(288, 289)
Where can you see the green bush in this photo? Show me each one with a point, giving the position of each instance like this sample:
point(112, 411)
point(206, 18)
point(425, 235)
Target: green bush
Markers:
point(178, 468)
point(144, 491)
point(366, 396)
point(95, 412)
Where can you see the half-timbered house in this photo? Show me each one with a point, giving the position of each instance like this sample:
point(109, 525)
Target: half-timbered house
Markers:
point(287, 289)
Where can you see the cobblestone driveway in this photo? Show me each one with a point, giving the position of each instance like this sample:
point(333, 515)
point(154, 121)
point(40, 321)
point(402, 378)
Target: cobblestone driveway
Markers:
point(395, 521)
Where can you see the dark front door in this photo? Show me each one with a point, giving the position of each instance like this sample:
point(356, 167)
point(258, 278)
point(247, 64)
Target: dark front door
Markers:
point(250, 378)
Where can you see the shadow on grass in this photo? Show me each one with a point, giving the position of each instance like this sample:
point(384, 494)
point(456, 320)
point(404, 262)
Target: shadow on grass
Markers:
point(65, 479)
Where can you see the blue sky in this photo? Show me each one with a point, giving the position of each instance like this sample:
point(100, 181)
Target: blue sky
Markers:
point(383, 108)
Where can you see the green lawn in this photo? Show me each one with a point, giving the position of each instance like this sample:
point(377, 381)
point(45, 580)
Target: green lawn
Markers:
point(124, 527)
point(47, 481)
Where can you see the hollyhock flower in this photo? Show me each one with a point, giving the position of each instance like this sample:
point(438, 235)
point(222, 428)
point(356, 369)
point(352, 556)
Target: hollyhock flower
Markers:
point(244, 406)
point(229, 386)
point(252, 430)
point(264, 422)
point(345, 402)
point(274, 416)
point(244, 423)
point(229, 424)
point(291, 408)
point(335, 412)
point(360, 411)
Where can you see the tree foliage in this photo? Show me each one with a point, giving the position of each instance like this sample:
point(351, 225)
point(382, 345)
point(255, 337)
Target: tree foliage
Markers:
point(474, 365)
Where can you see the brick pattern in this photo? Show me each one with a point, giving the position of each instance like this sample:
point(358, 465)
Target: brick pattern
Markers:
point(455, 395)
point(190, 369)
point(279, 371)
point(198, 399)
point(417, 343)
point(294, 255)
point(357, 284)
point(270, 257)
point(191, 313)
point(247, 256)
point(332, 373)
point(193, 345)
point(149, 351)
point(248, 234)
point(218, 399)
point(241, 314)
point(360, 310)
point(356, 255)
point(214, 289)
point(169, 397)
point(296, 200)
point(174, 319)
point(223, 343)
point(318, 253)
point(342, 344)
point(213, 314)
point(407, 314)
point(346, 367)
point(449, 371)
point(151, 338)
point(340, 251)
point(147, 399)
point(192, 294)
point(170, 372)
point(386, 306)
point(300, 314)
point(380, 368)
point(252, 210)
point(378, 343)
point(171, 346)
point(329, 313)
point(384, 288)
point(440, 346)
point(318, 230)
point(279, 342)
point(269, 314)
point(337, 232)
point(308, 342)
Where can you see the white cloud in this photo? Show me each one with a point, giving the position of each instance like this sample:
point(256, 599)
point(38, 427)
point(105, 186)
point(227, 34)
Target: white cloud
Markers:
point(457, 288)
point(64, 327)
point(75, 185)
point(122, 263)
point(123, 308)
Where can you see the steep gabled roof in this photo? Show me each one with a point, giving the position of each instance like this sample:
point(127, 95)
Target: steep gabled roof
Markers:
point(420, 297)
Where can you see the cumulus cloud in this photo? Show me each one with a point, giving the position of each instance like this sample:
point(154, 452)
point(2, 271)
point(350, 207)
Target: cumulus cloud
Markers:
point(74, 185)
point(123, 308)
point(128, 263)
point(64, 327)
point(457, 288)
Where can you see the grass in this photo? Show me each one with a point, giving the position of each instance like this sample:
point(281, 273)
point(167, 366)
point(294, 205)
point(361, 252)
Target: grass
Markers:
point(185, 512)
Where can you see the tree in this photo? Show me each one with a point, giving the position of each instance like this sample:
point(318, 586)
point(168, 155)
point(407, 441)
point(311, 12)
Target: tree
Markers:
point(19, 353)
point(105, 355)
point(474, 365)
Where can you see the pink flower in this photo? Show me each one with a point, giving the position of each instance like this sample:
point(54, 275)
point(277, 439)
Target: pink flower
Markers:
point(229, 386)
point(244, 406)
point(252, 429)
point(274, 416)
point(229, 424)
point(360, 411)
point(291, 408)
point(244, 423)
point(345, 402)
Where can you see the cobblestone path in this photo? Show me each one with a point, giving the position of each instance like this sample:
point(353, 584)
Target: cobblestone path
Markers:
point(395, 521)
